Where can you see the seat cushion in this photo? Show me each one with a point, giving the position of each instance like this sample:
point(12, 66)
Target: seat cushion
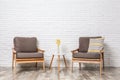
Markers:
point(25, 44)
point(86, 55)
point(29, 55)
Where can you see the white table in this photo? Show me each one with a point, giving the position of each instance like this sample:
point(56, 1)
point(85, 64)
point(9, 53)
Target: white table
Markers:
point(58, 55)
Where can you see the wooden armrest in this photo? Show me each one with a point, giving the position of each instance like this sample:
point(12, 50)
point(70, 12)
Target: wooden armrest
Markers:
point(13, 50)
point(75, 51)
point(41, 51)
point(102, 51)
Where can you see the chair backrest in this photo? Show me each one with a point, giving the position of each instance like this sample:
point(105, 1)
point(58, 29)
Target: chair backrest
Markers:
point(84, 43)
point(25, 44)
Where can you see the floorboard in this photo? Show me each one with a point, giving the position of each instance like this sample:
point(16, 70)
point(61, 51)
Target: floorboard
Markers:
point(31, 73)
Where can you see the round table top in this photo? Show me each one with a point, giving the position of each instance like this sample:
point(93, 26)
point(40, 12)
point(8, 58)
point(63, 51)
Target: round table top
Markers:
point(58, 54)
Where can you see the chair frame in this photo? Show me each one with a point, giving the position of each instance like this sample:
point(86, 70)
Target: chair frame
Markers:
point(85, 60)
point(27, 60)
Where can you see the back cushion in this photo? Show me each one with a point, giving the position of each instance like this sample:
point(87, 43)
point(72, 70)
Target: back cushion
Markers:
point(84, 43)
point(25, 44)
point(95, 45)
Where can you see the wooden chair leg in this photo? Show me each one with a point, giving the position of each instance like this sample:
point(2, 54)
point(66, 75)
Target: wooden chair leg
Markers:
point(14, 67)
point(101, 69)
point(13, 62)
point(36, 64)
point(103, 62)
point(44, 66)
point(80, 66)
point(72, 66)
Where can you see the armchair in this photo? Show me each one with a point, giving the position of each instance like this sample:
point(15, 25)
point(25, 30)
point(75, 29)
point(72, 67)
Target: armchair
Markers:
point(84, 55)
point(25, 51)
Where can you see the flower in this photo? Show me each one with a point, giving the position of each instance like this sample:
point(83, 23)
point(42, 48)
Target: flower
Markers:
point(58, 42)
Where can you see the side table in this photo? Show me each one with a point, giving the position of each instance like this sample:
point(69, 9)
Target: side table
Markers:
point(58, 61)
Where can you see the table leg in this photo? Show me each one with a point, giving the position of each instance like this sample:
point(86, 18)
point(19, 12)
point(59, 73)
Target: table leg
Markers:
point(58, 63)
point(51, 61)
point(65, 61)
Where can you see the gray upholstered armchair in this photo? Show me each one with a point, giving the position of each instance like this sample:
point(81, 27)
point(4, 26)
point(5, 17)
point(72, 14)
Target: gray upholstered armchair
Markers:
point(84, 55)
point(25, 51)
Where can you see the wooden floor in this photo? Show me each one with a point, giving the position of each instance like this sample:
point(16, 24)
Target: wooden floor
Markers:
point(31, 73)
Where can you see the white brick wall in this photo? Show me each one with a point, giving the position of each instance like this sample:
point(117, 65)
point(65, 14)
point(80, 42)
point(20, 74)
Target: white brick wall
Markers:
point(64, 19)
